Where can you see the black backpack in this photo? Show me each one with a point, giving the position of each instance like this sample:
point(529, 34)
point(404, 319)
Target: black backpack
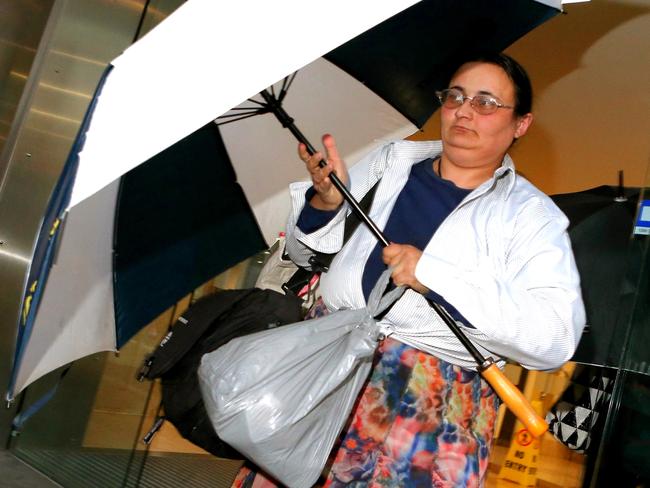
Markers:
point(211, 322)
point(207, 324)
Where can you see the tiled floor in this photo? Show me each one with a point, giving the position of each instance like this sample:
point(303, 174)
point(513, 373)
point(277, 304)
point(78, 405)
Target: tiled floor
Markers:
point(16, 474)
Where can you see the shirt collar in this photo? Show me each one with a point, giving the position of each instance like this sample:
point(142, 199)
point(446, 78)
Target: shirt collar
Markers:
point(502, 181)
point(433, 149)
point(507, 172)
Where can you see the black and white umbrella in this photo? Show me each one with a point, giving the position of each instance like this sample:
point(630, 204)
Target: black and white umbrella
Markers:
point(154, 199)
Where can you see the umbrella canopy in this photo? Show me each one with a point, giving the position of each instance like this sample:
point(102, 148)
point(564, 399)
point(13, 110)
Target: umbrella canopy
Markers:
point(601, 222)
point(87, 275)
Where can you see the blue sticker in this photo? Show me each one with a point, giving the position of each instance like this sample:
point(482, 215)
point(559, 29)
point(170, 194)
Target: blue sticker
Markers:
point(642, 226)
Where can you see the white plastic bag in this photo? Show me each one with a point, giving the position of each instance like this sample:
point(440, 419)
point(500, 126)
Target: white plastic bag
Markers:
point(281, 397)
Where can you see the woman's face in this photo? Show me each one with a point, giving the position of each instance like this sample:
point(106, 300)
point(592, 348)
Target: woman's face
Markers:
point(470, 139)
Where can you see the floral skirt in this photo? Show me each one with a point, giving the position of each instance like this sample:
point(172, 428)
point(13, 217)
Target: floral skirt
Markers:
point(419, 422)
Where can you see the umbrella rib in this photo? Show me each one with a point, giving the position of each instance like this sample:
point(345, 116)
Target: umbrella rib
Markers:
point(286, 84)
point(248, 108)
point(239, 117)
point(252, 100)
point(239, 114)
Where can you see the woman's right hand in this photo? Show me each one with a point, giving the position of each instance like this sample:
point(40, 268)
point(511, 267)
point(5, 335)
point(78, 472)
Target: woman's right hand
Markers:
point(327, 197)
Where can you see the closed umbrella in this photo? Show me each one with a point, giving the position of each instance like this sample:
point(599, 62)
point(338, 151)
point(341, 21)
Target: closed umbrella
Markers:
point(601, 231)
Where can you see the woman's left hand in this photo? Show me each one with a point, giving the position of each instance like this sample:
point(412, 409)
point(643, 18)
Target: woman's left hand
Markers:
point(403, 258)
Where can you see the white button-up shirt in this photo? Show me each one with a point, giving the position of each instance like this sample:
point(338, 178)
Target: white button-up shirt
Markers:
point(502, 258)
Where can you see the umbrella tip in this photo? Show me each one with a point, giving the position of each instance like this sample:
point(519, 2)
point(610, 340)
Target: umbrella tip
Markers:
point(620, 197)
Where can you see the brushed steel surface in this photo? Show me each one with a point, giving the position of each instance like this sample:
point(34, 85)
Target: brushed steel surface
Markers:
point(80, 39)
point(23, 26)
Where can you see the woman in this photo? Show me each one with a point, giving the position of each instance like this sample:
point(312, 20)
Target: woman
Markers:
point(467, 232)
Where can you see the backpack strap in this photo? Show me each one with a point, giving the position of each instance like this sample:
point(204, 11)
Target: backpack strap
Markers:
point(189, 328)
point(321, 261)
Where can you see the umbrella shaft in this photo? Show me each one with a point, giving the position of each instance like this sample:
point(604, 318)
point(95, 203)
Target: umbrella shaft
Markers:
point(451, 323)
point(356, 208)
point(286, 120)
point(276, 108)
point(444, 315)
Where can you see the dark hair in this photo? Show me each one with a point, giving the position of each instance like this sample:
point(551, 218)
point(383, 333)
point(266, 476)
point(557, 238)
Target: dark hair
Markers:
point(516, 73)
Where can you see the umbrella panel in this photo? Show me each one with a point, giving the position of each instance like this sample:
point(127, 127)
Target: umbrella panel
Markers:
point(409, 56)
point(182, 218)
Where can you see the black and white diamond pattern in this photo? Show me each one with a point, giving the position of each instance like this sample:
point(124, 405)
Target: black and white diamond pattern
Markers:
point(573, 419)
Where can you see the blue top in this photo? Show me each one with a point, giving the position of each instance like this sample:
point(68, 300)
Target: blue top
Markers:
point(424, 202)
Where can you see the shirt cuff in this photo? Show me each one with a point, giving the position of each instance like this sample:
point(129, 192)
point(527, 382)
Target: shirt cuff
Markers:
point(311, 219)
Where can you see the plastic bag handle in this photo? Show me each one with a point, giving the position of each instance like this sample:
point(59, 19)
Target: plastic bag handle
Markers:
point(378, 303)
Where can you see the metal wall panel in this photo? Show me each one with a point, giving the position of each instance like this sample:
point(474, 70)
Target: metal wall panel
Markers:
point(21, 28)
point(80, 39)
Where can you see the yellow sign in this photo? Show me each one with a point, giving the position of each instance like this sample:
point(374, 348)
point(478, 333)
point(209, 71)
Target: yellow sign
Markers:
point(520, 464)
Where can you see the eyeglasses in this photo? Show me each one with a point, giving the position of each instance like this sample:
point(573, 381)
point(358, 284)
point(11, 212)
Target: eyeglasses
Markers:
point(482, 104)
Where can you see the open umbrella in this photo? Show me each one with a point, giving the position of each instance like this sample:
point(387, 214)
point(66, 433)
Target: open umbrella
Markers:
point(195, 66)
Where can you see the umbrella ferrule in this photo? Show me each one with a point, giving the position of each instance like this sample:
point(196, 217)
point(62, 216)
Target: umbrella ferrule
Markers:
point(274, 105)
point(485, 364)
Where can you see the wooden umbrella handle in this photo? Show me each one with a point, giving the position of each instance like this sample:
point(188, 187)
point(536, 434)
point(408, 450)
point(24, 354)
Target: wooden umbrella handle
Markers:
point(514, 399)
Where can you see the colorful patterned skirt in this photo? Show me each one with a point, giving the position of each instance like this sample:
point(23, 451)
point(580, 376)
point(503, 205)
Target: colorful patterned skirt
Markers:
point(419, 422)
